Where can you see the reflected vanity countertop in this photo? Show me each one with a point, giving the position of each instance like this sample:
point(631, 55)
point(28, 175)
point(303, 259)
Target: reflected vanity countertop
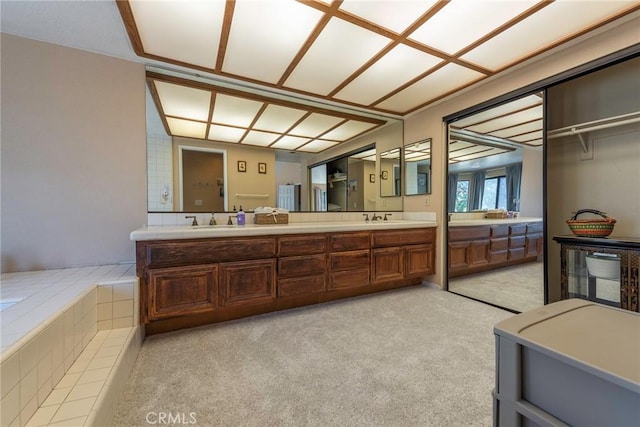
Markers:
point(489, 221)
point(187, 232)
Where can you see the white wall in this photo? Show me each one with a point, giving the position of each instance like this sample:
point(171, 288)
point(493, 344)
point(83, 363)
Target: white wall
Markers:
point(73, 156)
point(531, 194)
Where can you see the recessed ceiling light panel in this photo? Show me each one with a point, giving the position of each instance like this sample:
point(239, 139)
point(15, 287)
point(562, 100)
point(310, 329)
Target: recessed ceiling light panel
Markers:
point(234, 111)
point(184, 102)
point(187, 128)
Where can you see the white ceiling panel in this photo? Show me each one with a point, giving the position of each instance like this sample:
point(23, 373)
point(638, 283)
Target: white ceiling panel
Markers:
point(262, 139)
point(559, 19)
point(511, 120)
point(454, 27)
point(186, 128)
point(187, 34)
point(315, 125)
point(501, 110)
point(260, 25)
point(235, 111)
point(182, 101)
point(445, 79)
point(517, 130)
point(405, 12)
point(528, 137)
point(396, 68)
point(317, 146)
point(276, 118)
point(288, 142)
point(225, 133)
point(486, 152)
point(339, 51)
point(348, 130)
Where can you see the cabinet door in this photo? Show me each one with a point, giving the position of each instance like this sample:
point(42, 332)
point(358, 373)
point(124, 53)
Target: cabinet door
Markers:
point(420, 260)
point(247, 282)
point(387, 264)
point(479, 252)
point(306, 265)
point(182, 290)
point(533, 245)
point(458, 256)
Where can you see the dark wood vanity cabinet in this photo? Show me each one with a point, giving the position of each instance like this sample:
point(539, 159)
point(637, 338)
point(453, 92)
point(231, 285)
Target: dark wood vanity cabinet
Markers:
point(197, 281)
point(479, 248)
point(401, 254)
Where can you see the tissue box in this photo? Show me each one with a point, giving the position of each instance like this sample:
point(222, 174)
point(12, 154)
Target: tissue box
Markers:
point(271, 219)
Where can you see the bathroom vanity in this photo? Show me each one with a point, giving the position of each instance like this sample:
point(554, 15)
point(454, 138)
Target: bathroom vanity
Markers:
point(478, 245)
point(195, 276)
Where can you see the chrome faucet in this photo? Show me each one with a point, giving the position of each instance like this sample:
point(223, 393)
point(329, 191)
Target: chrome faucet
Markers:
point(385, 216)
point(195, 221)
point(212, 221)
point(375, 217)
point(229, 222)
point(366, 217)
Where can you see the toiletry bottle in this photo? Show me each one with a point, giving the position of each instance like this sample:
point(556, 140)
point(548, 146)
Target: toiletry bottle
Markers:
point(240, 216)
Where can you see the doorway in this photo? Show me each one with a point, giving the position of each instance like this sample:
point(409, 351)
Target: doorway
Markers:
point(495, 204)
point(203, 184)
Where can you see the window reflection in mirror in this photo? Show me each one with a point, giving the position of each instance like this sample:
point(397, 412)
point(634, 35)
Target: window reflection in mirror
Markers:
point(417, 167)
point(390, 177)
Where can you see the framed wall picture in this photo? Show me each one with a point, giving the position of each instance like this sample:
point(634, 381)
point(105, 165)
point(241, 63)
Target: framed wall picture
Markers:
point(242, 166)
point(372, 177)
point(385, 175)
point(262, 168)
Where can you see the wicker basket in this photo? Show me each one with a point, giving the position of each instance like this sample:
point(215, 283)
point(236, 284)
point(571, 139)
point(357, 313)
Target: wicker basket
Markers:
point(592, 227)
point(271, 219)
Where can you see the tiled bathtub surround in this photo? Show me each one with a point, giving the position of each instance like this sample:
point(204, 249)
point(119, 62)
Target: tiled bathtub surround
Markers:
point(55, 319)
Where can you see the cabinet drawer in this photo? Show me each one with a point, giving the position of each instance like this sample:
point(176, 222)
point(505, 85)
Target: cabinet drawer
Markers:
point(158, 254)
point(517, 242)
point(306, 265)
point(302, 245)
point(247, 282)
point(516, 230)
point(349, 241)
point(499, 230)
point(402, 237)
point(534, 228)
point(301, 285)
point(349, 260)
point(182, 290)
point(516, 253)
point(457, 234)
point(349, 279)
point(498, 257)
point(499, 244)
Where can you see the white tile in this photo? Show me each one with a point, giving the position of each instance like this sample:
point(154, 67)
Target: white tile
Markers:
point(29, 409)
point(56, 397)
point(94, 375)
point(79, 366)
point(123, 309)
point(58, 374)
point(42, 416)
point(123, 322)
point(10, 406)
point(83, 391)
point(44, 370)
point(73, 422)
point(104, 325)
point(28, 387)
point(43, 391)
point(109, 351)
point(9, 373)
point(105, 311)
point(104, 294)
point(74, 409)
point(69, 380)
point(29, 356)
point(123, 292)
point(102, 362)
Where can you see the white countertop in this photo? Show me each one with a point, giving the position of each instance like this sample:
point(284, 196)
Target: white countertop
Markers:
point(188, 232)
point(487, 221)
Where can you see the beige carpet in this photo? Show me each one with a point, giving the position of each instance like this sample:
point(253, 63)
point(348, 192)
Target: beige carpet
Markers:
point(410, 357)
point(519, 287)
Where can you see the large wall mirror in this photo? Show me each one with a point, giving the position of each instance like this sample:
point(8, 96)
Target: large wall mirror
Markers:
point(417, 167)
point(495, 170)
point(201, 165)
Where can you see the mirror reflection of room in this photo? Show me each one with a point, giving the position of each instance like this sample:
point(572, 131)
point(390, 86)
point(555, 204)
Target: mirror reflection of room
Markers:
point(494, 193)
point(417, 166)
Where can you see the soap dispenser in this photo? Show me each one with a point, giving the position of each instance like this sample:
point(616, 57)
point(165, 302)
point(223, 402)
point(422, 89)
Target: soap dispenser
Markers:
point(240, 216)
